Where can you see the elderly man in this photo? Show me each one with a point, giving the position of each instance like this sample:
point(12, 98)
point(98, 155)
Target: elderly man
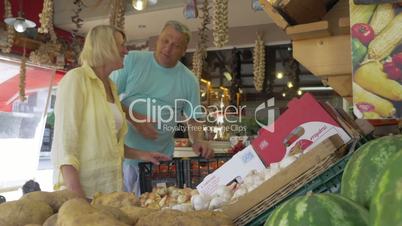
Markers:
point(156, 89)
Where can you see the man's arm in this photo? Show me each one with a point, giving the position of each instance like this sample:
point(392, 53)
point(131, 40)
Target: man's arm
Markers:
point(140, 122)
point(154, 157)
point(199, 145)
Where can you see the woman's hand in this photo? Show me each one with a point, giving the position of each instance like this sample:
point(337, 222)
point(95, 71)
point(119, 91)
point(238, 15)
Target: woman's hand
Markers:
point(72, 179)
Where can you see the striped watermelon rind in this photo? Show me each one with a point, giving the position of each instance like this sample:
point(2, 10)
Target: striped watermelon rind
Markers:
point(386, 205)
point(318, 210)
point(364, 168)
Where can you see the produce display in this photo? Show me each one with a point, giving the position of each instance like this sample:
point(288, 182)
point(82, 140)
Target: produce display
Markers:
point(376, 32)
point(319, 210)
point(364, 168)
point(63, 208)
point(386, 205)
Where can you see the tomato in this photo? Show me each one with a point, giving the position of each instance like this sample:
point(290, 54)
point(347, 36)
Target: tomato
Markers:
point(363, 32)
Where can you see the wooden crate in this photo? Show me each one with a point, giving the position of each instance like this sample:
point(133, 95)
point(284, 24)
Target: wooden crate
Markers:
point(287, 181)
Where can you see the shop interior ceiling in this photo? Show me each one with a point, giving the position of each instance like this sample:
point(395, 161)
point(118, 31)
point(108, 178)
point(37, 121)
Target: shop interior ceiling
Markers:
point(140, 25)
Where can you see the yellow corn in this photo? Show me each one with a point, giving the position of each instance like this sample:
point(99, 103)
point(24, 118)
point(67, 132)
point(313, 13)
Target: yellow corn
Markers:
point(360, 13)
point(383, 14)
point(387, 40)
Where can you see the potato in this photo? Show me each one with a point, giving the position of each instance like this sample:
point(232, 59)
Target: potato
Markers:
point(79, 212)
point(22, 212)
point(116, 213)
point(51, 221)
point(134, 212)
point(115, 199)
point(54, 199)
point(174, 217)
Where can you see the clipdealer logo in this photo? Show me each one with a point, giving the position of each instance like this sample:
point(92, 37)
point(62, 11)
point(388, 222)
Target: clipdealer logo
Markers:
point(163, 115)
point(269, 105)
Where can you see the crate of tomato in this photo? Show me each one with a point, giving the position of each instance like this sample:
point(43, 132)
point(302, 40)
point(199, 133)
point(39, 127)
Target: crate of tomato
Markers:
point(167, 173)
point(196, 168)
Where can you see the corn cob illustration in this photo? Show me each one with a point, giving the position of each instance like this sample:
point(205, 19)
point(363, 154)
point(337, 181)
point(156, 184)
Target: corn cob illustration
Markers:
point(383, 14)
point(387, 40)
point(361, 13)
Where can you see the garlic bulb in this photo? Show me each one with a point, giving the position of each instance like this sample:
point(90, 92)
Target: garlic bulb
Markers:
point(242, 190)
point(220, 23)
point(185, 207)
point(259, 63)
point(200, 201)
point(216, 202)
point(223, 192)
point(10, 28)
point(285, 162)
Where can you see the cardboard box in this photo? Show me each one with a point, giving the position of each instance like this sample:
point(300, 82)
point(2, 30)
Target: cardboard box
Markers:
point(300, 128)
point(286, 182)
point(235, 169)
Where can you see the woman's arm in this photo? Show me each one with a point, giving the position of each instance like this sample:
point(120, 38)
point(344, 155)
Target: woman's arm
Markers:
point(72, 179)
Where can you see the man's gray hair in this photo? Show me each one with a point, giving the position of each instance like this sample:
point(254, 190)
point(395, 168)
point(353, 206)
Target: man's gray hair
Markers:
point(180, 28)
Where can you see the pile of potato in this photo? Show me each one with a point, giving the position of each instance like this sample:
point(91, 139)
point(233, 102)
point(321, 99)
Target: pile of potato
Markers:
point(64, 208)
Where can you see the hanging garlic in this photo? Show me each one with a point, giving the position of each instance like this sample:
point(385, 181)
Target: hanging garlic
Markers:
point(46, 17)
point(22, 78)
point(200, 53)
point(220, 23)
point(259, 63)
point(10, 29)
point(116, 15)
point(46, 53)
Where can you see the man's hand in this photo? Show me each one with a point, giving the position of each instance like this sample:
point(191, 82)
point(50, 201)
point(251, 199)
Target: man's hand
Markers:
point(203, 149)
point(154, 157)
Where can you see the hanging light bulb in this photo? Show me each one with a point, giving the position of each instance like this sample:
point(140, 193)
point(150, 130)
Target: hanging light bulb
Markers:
point(19, 25)
point(279, 75)
point(284, 94)
point(139, 4)
point(299, 92)
point(290, 84)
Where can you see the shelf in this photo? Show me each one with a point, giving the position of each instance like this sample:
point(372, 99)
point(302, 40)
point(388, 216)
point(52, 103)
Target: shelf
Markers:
point(308, 31)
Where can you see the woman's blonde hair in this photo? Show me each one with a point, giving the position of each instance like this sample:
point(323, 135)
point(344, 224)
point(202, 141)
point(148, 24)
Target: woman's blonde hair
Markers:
point(100, 46)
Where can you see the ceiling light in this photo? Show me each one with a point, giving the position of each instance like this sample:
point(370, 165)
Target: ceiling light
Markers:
point(227, 75)
point(152, 2)
point(279, 75)
point(290, 84)
point(20, 24)
point(299, 92)
point(139, 4)
point(284, 94)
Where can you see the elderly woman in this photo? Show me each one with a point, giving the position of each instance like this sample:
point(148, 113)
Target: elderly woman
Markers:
point(88, 146)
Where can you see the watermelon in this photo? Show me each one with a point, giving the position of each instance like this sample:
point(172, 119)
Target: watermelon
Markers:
point(365, 166)
point(318, 210)
point(386, 204)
